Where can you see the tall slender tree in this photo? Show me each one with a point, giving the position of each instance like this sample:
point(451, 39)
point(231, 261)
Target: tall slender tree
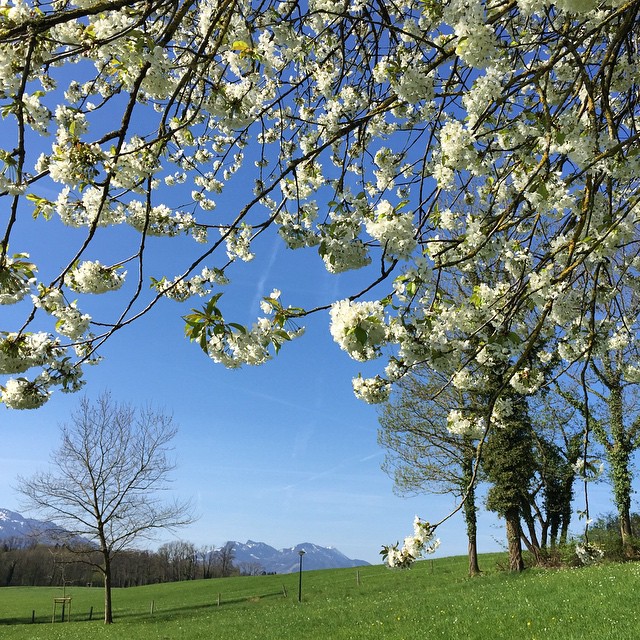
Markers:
point(618, 431)
point(558, 436)
point(509, 464)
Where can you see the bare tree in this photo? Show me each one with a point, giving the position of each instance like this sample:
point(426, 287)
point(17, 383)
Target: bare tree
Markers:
point(105, 483)
point(180, 558)
point(206, 560)
point(225, 557)
point(251, 569)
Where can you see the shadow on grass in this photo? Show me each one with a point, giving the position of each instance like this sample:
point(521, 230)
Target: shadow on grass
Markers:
point(160, 613)
point(163, 612)
point(38, 620)
point(7, 622)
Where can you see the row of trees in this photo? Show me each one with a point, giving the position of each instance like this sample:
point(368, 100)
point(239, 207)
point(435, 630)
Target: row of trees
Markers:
point(42, 565)
point(549, 441)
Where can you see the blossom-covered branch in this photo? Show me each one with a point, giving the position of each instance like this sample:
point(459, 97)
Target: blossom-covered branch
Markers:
point(478, 160)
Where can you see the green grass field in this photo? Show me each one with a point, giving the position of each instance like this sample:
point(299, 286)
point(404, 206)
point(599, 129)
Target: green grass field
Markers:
point(434, 599)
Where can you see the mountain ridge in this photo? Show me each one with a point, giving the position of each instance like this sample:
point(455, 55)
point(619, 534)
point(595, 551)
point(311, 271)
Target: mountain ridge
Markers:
point(287, 560)
point(251, 555)
point(14, 525)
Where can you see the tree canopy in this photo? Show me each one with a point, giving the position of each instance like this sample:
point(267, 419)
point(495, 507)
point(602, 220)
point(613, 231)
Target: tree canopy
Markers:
point(428, 142)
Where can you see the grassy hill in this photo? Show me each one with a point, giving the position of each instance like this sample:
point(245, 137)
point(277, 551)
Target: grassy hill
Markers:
point(433, 599)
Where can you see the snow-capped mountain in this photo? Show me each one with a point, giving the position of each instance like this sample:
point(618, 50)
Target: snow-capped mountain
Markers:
point(250, 554)
point(288, 560)
point(15, 526)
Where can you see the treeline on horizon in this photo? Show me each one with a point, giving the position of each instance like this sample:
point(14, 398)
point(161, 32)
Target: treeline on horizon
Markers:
point(27, 563)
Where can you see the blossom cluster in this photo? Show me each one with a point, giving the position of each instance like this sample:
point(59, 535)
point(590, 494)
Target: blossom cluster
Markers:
point(589, 553)
point(19, 352)
point(374, 390)
point(17, 277)
point(394, 230)
point(233, 344)
point(465, 425)
point(181, 289)
point(414, 546)
point(359, 328)
point(19, 393)
point(93, 277)
point(70, 321)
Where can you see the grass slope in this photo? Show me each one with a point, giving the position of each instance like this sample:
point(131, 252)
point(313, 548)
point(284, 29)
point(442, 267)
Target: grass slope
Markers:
point(434, 599)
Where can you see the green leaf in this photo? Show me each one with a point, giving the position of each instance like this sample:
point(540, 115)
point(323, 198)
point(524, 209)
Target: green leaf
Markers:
point(515, 338)
point(361, 335)
point(542, 191)
point(476, 298)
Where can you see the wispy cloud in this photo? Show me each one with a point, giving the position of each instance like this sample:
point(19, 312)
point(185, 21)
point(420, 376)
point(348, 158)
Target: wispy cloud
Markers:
point(260, 284)
point(332, 471)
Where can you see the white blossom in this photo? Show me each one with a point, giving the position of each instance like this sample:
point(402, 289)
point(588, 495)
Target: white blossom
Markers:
point(359, 328)
point(252, 346)
point(93, 277)
point(526, 381)
point(371, 390)
point(394, 230)
point(589, 553)
point(71, 323)
point(462, 425)
point(238, 242)
point(19, 393)
point(19, 352)
point(421, 542)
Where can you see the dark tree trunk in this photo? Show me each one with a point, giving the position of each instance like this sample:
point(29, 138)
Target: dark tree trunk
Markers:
point(564, 531)
point(533, 542)
point(626, 531)
point(10, 571)
point(108, 611)
point(619, 452)
point(620, 461)
point(512, 518)
point(474, 567)
point(554, 529)
point(533, 548)
point(544, 535)
point(470, 516)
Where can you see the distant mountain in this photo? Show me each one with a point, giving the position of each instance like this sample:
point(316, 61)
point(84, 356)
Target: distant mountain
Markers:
point(16, 527)
point(288, 560)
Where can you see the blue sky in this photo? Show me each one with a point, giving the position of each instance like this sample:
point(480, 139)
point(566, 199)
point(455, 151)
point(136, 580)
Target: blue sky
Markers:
point(282, 453)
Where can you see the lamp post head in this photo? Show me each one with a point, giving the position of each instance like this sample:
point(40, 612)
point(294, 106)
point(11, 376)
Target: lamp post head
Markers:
point(301, 552)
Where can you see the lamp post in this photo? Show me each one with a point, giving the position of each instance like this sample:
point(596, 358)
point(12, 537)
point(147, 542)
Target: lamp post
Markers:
point(300, 553)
